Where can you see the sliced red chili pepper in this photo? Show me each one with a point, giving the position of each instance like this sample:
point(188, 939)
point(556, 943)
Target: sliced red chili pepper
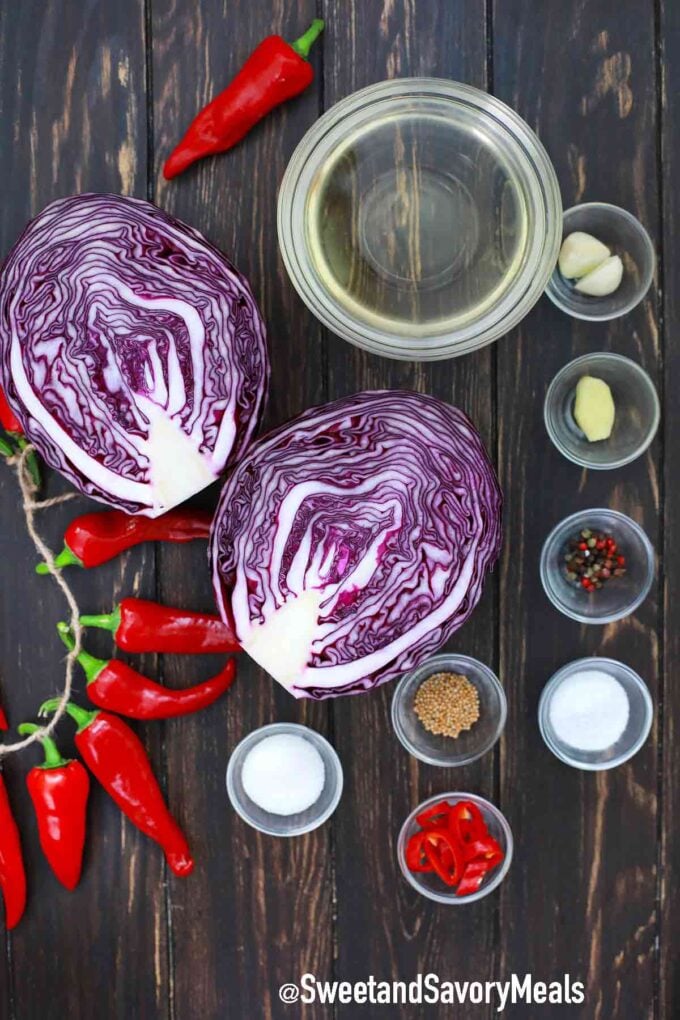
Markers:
point(139, 625)
point(487, 849)
point(415, 856)
point(93, 539)
point(473, 876)
point(467, 822)
point(437, 814)
point(444, 855)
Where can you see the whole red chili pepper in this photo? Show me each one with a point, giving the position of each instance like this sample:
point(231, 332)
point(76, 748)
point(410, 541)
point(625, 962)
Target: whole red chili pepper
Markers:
point(93, 539)
point(12, 872)
point(59, 789)
point(118, 687)
point(4, 725)
point(8, 419)
point(12, 426)
point(142, 626)
point(274, 72)
point(116, 757)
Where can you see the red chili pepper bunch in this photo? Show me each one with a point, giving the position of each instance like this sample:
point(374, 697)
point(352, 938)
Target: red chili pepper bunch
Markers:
point(454, 842)
point(139, 625)
point(112, 751)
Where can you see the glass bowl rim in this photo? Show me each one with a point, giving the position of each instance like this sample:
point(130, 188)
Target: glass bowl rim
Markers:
point(485, 806)
point(580, 515)
point(270, 729)
point(540, 177)
point(645, 283)
point(646, 379)
point(569, 669)
point(440, 660)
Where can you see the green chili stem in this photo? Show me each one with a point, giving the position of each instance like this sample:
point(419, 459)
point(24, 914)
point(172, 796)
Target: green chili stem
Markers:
point(303, 45)
point(66, 558)
point(92, 666)
point(80, 715)
point(107, 621)
point(53, 757)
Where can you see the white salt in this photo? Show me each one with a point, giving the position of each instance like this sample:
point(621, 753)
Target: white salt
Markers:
point(589, 710)
point(284, 774)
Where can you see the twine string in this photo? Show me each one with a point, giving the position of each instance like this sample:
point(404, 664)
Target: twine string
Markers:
point(29, 490)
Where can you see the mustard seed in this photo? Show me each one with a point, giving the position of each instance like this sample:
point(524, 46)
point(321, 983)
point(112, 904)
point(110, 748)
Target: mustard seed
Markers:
point(447, 704)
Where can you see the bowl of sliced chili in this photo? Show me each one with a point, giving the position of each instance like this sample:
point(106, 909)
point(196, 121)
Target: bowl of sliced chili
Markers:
point(455, 848)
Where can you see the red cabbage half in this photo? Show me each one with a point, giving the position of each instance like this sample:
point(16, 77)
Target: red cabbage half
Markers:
point(131, 350)
point(350, 543)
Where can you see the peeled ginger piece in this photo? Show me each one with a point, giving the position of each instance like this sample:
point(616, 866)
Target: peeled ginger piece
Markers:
point(580, 254)
point(594, 408)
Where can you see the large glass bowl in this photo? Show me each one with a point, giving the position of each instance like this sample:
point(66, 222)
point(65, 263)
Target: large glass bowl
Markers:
point(420, 218)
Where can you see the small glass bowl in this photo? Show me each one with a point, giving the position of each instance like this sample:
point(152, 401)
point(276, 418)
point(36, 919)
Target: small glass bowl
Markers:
point(471, 744)
point(621, 596)
point(635, 401)
point(429, 884)
point(635, 733)
point(285, 825)
point(625, 236)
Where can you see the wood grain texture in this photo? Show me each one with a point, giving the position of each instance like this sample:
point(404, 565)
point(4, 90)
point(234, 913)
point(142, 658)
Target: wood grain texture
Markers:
point(93, 96)
point(579, 75)
point(669, 759)
point(383, 927)
point(258, 911)
point(72, 119)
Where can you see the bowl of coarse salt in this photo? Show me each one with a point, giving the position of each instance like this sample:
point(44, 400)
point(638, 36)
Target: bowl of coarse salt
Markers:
point(595, 713)
point(284, 779)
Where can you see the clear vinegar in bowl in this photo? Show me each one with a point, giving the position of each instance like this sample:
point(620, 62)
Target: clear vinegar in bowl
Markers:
point(419, 218)
point(416, 224)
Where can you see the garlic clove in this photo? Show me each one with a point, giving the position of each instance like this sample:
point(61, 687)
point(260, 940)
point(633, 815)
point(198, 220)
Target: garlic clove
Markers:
point(604, 280)
point(580, 254)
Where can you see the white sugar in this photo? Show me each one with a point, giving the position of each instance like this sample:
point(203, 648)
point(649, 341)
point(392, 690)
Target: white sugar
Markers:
point(283, 774)
point(589, 710)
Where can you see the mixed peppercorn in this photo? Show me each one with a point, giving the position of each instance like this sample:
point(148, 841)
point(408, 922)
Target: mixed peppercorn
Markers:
point(592, 558)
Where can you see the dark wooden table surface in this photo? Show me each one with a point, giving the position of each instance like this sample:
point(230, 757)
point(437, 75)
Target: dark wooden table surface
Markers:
point(93, 93)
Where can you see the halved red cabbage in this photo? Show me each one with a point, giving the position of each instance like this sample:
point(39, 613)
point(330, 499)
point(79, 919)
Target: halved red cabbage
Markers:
point(350, 543)
point(131, 350)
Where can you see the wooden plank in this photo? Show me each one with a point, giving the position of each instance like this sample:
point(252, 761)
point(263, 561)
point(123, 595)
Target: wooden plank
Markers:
point(383, 927)
point(581, 898)
point(669, 862)
point(72, 119)
point(258, 911)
